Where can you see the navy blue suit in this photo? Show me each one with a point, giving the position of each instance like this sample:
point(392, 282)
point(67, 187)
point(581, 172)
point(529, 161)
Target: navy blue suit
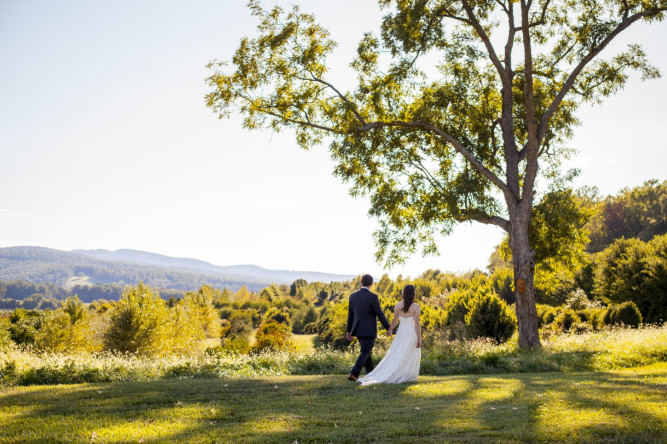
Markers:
point(362, 314)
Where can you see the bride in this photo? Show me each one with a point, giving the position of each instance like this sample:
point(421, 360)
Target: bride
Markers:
point(401, 363)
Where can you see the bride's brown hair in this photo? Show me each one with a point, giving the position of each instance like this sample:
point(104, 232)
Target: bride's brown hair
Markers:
point(408, 297)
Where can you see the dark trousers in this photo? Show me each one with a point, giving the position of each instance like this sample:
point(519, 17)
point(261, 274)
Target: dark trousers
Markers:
point(364, 360)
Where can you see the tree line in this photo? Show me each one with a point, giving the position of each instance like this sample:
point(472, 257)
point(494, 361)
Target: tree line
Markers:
point(613, 248)
point(579, 287)
point(42, 296)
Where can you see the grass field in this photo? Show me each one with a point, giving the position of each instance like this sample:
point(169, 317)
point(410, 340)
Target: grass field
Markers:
point(304, 343)
point(617, 406)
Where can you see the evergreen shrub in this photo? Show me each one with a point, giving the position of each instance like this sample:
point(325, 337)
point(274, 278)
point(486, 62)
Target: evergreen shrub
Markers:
point(628, 314)
point(566, 320)
point(489, 316)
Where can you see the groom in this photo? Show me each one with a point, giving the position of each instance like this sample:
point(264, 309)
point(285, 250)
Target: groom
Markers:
point(362, 312)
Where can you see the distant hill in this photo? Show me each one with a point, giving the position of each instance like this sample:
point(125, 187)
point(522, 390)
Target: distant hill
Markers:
point(85, 267)
point(252, 272)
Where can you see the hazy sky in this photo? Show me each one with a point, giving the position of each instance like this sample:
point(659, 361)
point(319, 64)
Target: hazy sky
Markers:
point(105, 141)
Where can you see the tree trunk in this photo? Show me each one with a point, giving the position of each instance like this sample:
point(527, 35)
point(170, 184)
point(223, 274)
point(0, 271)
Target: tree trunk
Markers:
point(523, 259)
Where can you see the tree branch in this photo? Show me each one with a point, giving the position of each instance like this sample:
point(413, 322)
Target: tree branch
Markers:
point(563, 55)
point(458, 147)
point(542, 19)
point(510, 39)
point(486, 219)
point(302, 122)
point(502, 5)
point(420, 166)
point(445, 13)
point(569, 83)
point(338, 93)
point(474, 22)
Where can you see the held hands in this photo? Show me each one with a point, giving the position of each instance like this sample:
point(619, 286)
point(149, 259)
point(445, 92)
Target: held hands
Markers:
point(389, 333)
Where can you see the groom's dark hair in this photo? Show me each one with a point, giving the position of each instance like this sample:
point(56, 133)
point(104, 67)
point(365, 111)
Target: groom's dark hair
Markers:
point(366, 280)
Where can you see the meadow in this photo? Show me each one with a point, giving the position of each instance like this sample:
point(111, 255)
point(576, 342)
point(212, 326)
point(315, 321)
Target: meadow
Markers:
point(596, 386)
point(604, 350)
point(616, 406)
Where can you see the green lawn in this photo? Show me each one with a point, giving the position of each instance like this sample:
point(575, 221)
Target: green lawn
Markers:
point(305, 343)
point(617, 406)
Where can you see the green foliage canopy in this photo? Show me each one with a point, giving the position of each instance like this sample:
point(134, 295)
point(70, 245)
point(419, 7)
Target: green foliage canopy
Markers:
point(639, 212)
point(632, 270)
point(441, 127)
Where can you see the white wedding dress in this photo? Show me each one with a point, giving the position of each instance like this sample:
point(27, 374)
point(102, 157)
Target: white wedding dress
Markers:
point(401, 363)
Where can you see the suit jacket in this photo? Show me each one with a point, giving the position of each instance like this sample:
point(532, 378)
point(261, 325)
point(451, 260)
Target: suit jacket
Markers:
point(362, 314)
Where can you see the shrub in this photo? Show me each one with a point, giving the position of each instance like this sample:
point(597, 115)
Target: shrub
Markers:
point(66, 329)
point(139, 323)
point(609, 316)
point(628, 314)
point(456, 307)
point(240, 325)
point(593, 316)
point(226, 312)
point(490, 317)
point(310, 329)
point(278, 315)
point(578, 300)
point(432, 318)
point(199, 306)
point(5, 336)
point(332, 326)
point(103, 306)
point(584, 315)
point(566, 320)
point(305, 315)
point(236, 344)
point(502, 281)
point(274, 336)
point(184, 329)
point(546, 314)
point(24, 325)
point(581, 327)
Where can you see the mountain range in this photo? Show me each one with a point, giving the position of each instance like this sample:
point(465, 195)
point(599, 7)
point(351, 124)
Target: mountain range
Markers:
point(88, 267)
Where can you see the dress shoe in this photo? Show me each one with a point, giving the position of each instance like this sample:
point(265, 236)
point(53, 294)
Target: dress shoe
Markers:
point(352, 377)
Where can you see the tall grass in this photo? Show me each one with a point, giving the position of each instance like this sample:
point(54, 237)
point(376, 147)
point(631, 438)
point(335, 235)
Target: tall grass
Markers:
point(603, 350)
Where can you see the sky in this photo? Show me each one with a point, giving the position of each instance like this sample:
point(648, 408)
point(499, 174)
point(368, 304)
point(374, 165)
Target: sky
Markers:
point(106, 142)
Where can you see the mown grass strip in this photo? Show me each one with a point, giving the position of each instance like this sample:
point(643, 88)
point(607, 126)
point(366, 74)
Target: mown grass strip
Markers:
point(618, 406)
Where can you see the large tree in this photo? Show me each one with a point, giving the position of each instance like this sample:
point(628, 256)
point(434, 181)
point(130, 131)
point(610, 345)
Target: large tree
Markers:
point(458, 106)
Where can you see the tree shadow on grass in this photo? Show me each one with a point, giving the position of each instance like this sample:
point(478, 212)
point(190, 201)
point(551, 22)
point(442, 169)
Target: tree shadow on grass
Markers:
point(593, 407)
point(477, 408)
